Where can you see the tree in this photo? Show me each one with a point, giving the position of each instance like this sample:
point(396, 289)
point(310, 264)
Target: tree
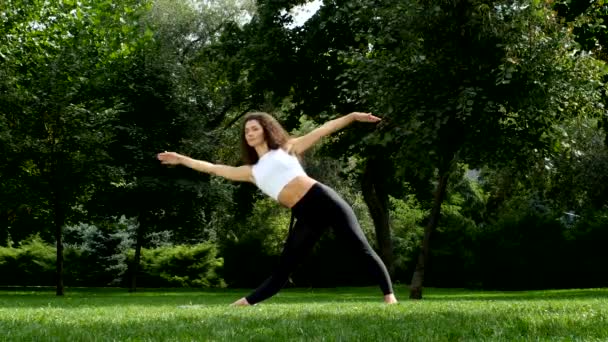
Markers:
point(55, 54)
point(587, 20)
point(177, 98)
point(316, 92)
point(482, 82)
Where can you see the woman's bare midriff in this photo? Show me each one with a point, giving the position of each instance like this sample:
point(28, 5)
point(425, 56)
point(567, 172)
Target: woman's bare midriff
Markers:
point(295, 190)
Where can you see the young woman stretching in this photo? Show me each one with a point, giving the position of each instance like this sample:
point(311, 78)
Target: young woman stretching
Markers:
point(272, 165)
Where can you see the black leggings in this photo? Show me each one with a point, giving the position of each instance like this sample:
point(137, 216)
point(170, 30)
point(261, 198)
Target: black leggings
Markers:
point(320, 208)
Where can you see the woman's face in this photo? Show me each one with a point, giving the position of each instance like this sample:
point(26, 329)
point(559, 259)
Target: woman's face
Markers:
point(254, 133)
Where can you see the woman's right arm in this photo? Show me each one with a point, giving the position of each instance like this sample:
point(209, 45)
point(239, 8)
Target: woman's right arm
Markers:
point(240, 173)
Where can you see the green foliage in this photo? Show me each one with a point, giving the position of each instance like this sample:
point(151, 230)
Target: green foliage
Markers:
point(181, 266)
point(569, 178)
point(57, 57)
point(524, 249)
point(97, 254)
point(31, 263)
point(585, 249)
point(587, 19)
point(251, 247)
point(481, 82)
point(574, 175)
point(99, 258)
point(176, 98)
point(406, 217)
point(91, 91)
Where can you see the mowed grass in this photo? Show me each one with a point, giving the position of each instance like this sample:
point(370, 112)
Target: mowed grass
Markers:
point(343, 314)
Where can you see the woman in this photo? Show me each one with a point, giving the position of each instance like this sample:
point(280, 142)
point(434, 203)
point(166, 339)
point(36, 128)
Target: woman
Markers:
point(271, 164)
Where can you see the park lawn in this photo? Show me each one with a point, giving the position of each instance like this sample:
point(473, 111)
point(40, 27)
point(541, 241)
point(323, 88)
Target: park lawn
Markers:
point(343, 314)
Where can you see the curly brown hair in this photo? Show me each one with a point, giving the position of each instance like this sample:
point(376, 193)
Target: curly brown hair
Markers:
point(274, 135)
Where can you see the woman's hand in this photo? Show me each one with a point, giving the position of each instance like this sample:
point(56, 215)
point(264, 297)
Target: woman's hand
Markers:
point(170, 158)
point(365, 117)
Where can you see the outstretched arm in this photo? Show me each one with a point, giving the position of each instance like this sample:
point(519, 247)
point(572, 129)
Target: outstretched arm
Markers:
point(301, 144)
point(240, 173)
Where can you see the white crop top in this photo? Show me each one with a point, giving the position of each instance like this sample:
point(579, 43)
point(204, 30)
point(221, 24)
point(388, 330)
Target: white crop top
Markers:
point(274, 170)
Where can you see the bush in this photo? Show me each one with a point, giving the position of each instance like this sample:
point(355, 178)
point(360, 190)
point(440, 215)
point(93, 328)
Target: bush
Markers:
point(451, 259)
point(407, 231)
point(523, 249)
point(251, 248)
point(32, 263)
point(587, 255)
point(180, 266)
point(96, 254)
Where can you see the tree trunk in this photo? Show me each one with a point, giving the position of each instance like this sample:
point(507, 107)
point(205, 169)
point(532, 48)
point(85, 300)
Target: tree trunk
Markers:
point(4, 230)
point(376, 198)
point(418, 277)
point(137, 257)
point(59, 218)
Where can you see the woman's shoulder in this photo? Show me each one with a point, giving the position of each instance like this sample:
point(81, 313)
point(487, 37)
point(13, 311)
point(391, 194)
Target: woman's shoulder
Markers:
point(285, 150)
point(289, 148)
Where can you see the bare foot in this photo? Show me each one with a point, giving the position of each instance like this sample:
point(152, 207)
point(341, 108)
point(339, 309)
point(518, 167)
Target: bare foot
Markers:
point(241, 302)
point(390, 299)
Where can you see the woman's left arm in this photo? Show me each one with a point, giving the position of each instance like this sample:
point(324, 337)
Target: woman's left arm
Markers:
point(301, 144)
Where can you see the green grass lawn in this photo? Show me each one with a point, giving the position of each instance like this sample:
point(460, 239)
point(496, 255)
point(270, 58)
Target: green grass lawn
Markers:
point(344, 314)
